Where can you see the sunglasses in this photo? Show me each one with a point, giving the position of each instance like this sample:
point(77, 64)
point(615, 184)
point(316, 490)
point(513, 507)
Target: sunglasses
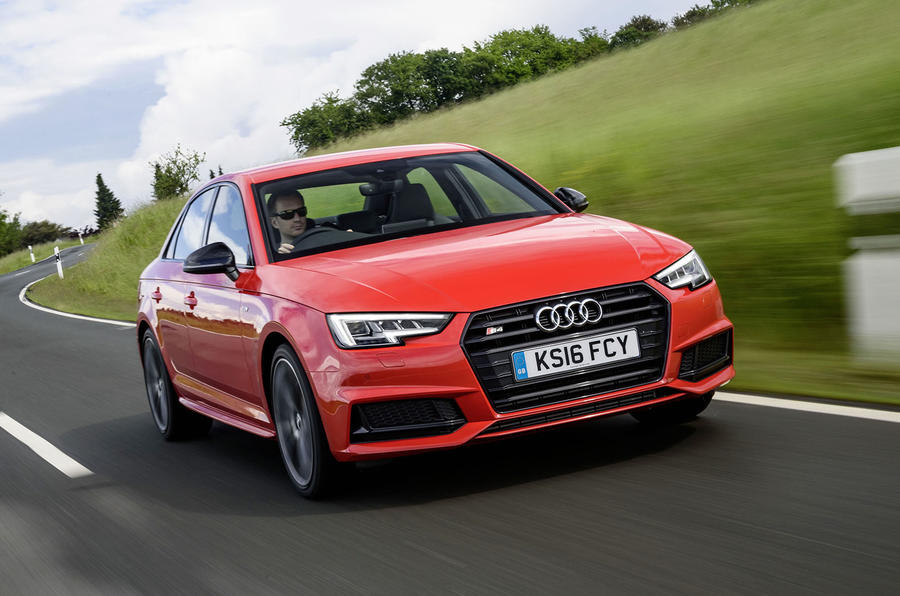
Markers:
point(288, 214)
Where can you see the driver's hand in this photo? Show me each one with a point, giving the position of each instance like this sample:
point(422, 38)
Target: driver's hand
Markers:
point(285, 248)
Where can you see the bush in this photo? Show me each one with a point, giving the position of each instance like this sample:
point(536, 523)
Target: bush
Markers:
point(38, 232)
point(174, 172)
point(638, 30)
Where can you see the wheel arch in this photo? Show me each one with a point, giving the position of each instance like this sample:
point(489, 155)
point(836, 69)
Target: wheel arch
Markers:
point(270, 344)
point(143, 327)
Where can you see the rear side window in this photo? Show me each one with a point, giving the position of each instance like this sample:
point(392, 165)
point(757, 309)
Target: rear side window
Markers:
point(229, 225)
point(190, 235)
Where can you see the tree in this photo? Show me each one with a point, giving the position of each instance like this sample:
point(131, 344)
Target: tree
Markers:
point(694, 15)
point(36, 232)
point(593, 43)
point(394, 88)
point(174, 172)
point(328, 119)
point(442, 71)
point(517, 54)
point(108, 208)
point(638, 30)
point(10, 233)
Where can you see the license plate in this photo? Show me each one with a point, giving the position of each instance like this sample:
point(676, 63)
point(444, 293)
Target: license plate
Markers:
point(572, 355)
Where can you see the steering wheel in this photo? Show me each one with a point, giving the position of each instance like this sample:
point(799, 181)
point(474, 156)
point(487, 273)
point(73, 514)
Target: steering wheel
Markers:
point(298, 242)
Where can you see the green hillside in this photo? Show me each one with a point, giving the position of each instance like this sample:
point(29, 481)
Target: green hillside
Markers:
point(723, 134)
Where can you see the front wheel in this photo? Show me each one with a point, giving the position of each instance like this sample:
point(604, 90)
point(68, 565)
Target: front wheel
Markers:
point(675, 412)
point(173, 420)
point(301, 437)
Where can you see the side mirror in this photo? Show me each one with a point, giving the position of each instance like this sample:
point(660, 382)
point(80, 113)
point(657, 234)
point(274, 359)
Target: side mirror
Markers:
point(575, 200)
point(212, 258)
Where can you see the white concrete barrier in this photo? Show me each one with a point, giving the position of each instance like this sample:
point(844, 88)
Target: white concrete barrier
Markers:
point(869, 183)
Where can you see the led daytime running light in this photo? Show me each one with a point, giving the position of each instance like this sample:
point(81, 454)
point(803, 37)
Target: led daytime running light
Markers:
point(689, 270)
point(383, 329)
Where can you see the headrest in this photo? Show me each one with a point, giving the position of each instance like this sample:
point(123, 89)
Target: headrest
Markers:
point(411, 203)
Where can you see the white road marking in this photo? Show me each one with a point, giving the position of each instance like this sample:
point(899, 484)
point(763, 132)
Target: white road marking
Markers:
point(43, 448)
point(31, 304)
point(810, 406)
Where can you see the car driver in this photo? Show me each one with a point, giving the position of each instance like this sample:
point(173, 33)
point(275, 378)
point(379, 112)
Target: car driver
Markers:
point(288, 217)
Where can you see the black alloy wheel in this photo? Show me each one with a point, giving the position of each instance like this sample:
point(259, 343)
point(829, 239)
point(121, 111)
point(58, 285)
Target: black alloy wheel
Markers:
point(674, 412)
point(172, 419)
point(301, 437)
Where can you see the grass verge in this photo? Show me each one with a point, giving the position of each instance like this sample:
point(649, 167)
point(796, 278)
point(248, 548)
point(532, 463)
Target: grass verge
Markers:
point(21, 258)
point(816, 374)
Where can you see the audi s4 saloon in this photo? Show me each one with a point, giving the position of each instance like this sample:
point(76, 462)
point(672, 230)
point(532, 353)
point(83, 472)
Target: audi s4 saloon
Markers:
point(393, 301)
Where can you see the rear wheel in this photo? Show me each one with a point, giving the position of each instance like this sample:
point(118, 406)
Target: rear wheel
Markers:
point(301, 437)
point(676, 412)
point(172, 419)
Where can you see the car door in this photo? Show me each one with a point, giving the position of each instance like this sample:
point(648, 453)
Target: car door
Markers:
point(168, 292)
point(215, 325)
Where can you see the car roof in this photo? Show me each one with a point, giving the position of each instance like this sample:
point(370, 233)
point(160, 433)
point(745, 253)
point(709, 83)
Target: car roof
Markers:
point(348, 158)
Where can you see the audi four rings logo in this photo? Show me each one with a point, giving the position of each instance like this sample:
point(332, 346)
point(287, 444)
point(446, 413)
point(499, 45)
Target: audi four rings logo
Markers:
point(567, 314)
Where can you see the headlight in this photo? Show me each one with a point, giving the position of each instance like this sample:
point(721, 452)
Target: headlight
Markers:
point(689, 271)
point(370, 330)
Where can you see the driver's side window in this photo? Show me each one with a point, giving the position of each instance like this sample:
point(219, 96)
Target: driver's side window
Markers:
point(229, 225)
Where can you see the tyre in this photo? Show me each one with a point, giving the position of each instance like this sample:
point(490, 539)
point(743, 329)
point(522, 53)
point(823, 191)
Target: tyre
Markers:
point(676, 412)
point(172, 419)
point(301, 437)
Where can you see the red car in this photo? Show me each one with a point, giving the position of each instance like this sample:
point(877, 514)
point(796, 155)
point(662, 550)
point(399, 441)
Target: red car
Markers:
point(393, 301)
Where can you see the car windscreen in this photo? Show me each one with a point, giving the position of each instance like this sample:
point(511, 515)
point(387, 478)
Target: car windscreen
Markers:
point(378, 201)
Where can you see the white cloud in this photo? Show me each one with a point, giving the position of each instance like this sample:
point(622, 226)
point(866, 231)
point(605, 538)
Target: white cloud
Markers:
point(230, 72)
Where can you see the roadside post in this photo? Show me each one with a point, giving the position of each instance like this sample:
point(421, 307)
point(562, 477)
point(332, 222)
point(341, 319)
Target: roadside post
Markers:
point(80, 239)
point(58, 261)
point(868, 187)
point(31, 252)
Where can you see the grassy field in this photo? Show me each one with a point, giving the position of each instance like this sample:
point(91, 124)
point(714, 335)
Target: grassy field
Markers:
point(22, 258)
point(105, 285)
point(724, 135)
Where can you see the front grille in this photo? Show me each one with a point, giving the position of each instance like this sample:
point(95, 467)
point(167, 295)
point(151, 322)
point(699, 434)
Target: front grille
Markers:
point(629, 306)
point(706, 357)
point(403, 419)
point(575, 412)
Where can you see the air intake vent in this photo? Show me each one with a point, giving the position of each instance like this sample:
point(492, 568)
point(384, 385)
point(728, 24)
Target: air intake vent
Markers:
point(404, 419)
point(706, 357)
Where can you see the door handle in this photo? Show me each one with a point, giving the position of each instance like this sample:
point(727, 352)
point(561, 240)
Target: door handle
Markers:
point(156, 295)
point(191, 300)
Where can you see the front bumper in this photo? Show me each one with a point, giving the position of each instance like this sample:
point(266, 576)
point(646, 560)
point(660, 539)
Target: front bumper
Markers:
point(436, 368)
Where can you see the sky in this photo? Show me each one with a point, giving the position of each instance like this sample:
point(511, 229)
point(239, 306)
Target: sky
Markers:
point(106, 86)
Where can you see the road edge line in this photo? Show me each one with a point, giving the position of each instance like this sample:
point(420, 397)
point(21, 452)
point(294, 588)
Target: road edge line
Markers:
point(43, 448)
point(31, 304)
point(809, 406)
